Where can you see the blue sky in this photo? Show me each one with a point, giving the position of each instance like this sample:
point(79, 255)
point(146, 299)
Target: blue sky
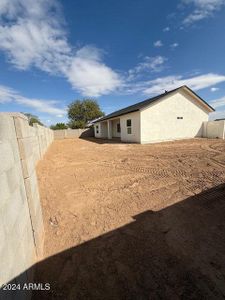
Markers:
point(118, 52)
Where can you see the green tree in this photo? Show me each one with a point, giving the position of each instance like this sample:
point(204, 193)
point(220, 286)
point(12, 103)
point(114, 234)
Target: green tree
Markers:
point(82, 111)
point(58, 126)
point(32, 119)
point(76, 124)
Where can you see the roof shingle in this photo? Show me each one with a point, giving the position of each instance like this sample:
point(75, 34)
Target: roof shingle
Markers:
point(139, 105)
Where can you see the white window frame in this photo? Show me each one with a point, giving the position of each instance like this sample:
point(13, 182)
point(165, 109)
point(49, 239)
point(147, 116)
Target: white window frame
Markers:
point(129, 127)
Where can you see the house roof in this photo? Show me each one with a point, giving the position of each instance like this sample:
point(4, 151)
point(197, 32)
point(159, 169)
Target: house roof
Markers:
point(139, 105)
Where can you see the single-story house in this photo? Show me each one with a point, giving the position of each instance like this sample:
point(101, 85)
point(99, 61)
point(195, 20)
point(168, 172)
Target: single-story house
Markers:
point(177, 114)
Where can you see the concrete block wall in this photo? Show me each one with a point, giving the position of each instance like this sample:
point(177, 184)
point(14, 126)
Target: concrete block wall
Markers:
point(73, 133)
point(21, 225)
point(214, 129)
point(45, 137)
point(15, 225)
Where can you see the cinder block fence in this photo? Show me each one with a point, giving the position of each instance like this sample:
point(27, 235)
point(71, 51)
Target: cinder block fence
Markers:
point(73, 133)
point(214, 129)
point(21, 224)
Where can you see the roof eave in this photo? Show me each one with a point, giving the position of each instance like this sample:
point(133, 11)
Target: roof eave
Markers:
point(122, 114)
point(196, 95)
point(210, 108)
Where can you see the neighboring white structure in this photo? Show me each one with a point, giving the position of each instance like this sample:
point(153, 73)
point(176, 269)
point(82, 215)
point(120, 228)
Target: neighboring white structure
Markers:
point(214, 129)
point(177, 114)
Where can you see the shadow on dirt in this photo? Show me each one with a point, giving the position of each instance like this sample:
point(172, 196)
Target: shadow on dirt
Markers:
point(175, 253)
point(88, 133)
point(104, 141)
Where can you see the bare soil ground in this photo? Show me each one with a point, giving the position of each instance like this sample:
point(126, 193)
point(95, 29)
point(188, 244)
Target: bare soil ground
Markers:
point(129, 221)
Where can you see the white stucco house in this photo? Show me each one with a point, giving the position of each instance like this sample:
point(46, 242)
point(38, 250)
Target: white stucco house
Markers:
point(177, 114)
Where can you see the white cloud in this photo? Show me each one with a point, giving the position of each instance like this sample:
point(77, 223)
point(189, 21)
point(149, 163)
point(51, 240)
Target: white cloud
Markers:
point(220, 102)
point(159, 85)
point(219, 105)
point(202, 9)
point(166, 29)
point(217, 115)
point(174, 45)
point(214, 89)
point(196, 83)
point(88, 74)
point(32, 35)
point(149, 64)
point(8, 95)
point(158, 44)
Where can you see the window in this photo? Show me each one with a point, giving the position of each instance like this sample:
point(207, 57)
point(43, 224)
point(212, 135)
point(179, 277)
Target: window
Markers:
point(118, 128)
point(180, 118)
point(97, 131)
point(129, 123)
point(129, 130)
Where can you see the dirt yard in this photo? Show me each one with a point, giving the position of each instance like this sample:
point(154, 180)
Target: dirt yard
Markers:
point(128, 221)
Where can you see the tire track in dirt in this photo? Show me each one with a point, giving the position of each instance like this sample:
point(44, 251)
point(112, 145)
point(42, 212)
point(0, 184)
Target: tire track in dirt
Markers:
point(178, 174)
point(218, 153)
point(155, 172)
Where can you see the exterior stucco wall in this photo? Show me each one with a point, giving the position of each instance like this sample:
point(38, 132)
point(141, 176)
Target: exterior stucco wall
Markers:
point(214, 129)
point(159, 120)
point(134, 137)
point(102, 130)
point(97, 130)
